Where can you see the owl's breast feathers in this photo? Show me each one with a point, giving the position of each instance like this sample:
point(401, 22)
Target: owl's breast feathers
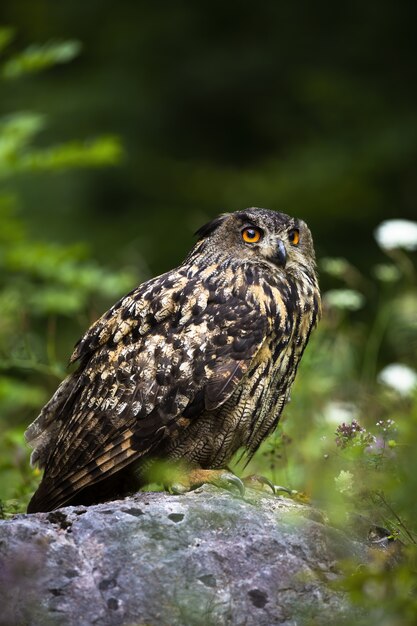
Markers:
point(177, 346)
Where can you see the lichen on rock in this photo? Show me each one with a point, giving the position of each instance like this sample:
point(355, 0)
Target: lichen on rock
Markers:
point(201, 558)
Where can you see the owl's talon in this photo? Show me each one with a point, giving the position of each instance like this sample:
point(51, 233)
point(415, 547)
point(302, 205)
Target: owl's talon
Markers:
point(233, 480)
point(257, 482)
point(291, 492)
point(177, 489)
point(197, 477)
point(254, 480)
point(220, 478)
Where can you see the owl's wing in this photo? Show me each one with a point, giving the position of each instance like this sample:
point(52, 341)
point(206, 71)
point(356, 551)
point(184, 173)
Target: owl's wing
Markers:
point(175, 346)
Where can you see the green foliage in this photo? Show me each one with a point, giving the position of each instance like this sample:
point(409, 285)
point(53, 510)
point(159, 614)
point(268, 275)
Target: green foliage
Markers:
point(17, 132)
point(49, 292)
point(37, 58)
point(19, 129)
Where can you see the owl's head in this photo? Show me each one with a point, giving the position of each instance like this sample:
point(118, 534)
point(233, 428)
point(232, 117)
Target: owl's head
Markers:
point(260, 236)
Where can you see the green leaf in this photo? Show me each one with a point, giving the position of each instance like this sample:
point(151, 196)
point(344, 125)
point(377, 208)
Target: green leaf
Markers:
point(7, 35)
point(98, 152)
point(17, 395)
point(16, 132)
point(12, 229)
point(55, 300)
point(39, 57)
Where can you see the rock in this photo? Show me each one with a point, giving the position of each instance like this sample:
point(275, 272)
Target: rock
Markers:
point(202, 558)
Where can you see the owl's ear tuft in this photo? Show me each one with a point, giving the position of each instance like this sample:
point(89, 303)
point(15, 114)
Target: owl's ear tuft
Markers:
point(210, 227)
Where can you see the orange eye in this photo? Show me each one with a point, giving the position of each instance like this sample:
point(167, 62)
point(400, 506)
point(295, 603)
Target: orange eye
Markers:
point(251, 235)
point(294, 236)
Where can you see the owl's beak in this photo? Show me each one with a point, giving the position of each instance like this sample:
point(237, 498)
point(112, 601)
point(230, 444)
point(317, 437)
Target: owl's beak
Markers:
point(280, 256)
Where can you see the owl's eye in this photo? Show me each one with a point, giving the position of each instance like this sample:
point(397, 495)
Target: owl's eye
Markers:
point(251, 235)
point(294, 236)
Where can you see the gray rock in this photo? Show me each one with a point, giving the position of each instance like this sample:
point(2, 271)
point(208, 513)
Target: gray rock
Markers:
point(203, 558)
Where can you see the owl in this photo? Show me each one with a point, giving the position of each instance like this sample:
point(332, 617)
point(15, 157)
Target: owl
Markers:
point(188, 367)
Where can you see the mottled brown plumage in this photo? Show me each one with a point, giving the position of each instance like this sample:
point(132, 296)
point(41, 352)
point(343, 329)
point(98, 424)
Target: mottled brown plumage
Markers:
point(191, 365)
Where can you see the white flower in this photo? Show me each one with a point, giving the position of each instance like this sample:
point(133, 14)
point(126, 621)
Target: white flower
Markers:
point(387, 273)
point(344, 299)
point(338, 412)
point(335, 266)
point(397, 234)
point(344, 482)
point(399, 377)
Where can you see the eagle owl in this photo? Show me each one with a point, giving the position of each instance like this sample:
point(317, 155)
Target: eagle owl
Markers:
point(189, 366)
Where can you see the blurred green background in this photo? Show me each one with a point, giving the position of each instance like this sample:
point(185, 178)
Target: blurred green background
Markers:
point(219, 106)
point(124, 126)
